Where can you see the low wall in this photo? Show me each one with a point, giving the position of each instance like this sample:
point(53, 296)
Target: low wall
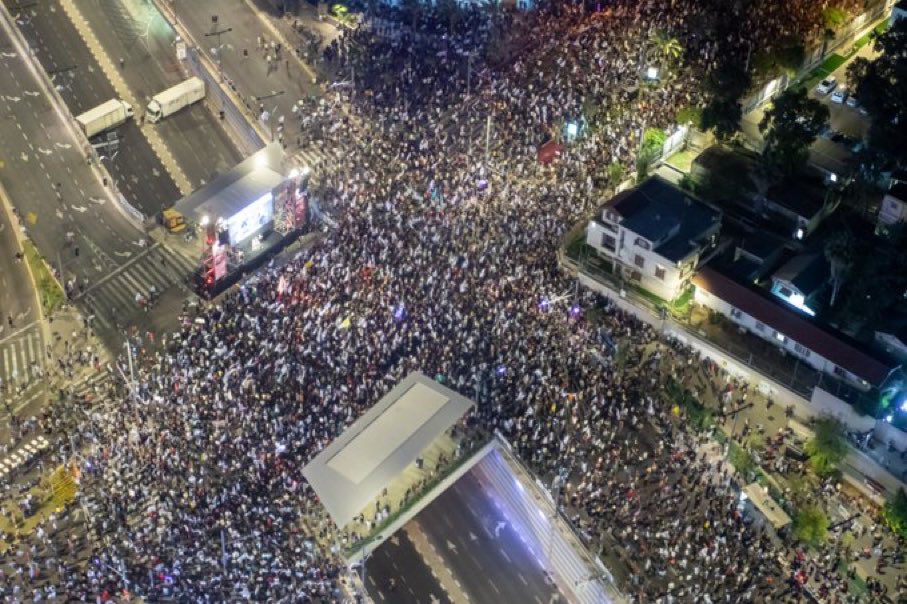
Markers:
point(886, 433)
point(826, 403)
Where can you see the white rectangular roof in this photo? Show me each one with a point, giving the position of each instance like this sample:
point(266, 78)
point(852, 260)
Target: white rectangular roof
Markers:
point(353, 469)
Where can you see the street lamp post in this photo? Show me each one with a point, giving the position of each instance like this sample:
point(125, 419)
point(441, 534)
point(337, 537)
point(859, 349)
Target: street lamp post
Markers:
point(366, 554)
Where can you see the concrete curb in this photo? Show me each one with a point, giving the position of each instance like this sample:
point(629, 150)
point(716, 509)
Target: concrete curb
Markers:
point(97, 50)
point(56, 101)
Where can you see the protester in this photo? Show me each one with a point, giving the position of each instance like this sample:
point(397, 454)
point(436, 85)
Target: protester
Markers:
point(443, 262)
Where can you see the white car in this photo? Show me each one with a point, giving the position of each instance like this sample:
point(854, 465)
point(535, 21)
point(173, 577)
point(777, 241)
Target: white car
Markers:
point(838, 96)
point(827, 85)
point(852, 101)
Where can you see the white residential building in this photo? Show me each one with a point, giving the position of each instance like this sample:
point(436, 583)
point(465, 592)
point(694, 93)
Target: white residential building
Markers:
point(654, 235)
point(795, 334)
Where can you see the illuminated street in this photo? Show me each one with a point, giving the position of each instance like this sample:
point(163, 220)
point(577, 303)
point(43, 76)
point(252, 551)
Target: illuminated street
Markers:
point(531, 302)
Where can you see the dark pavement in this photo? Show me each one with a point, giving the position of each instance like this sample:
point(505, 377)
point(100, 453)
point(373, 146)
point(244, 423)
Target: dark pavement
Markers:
point(398, 559)
point(476, 543)
point(82, 84)
point(38, 152)
point(137, 33)
point(284, 83)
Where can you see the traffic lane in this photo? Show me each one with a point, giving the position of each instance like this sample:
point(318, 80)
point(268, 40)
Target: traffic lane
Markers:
point(40, 152)
point(398, 559)
point(140, 34)
point(199, 143)
point(250, 73)
point(66, 58)
point(17, 294)
point(482, 547)
point(134, 166)
point(138, 172)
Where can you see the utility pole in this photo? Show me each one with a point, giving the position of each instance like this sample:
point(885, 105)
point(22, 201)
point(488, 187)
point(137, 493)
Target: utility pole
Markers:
point(218, 33)
point(469, 76)
point(487, 141)
point(60, 268)
point(366, 554)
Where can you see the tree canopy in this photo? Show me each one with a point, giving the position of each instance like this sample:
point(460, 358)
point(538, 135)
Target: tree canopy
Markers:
point(811, 525)
point(895, 513)
point(840, 253)
point(882, 90)
point(789, 128)
point(828, 447)
point(726, 84)
point(878, 281)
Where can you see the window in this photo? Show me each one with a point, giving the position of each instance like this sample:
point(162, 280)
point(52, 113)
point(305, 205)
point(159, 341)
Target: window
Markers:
point(639, 261)
point(780, 337)
point(801, 350)
point(784, 291)
point(640, 242)
point(760, 326)
point(660, 272)
point(609, 242)
point(636, 276)
point(736, 313)
point(839, 372)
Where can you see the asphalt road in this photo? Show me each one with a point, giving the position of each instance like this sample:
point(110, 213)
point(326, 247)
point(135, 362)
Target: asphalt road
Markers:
point(137, 33)
point(64, 55)
point(284, 84)
point(398, 560)
point(17, 297)
point(476, 544)
point(38, 152)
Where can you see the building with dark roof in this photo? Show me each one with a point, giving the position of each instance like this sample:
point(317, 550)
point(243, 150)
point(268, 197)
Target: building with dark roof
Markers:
point(898, 11)
point(761, 314)
point(801, 204)
point(893, 208)
point(801, 280)
point(654, 235)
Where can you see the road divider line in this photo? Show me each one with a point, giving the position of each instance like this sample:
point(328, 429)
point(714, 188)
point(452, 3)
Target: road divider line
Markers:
point(122, 89)
point(426, 550)
point(56, 101)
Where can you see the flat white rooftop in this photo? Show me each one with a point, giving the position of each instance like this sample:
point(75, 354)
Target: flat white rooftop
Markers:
point(353, 470)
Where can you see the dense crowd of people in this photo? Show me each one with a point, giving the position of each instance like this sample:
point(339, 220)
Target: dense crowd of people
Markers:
point(442, 261)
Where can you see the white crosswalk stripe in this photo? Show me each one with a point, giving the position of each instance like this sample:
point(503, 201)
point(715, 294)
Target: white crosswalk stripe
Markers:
point(112, 301)
point(22, 357)
point(315, 157)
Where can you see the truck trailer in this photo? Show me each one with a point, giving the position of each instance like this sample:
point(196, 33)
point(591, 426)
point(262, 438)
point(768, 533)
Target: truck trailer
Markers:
point(173, 99)
point(109, 115)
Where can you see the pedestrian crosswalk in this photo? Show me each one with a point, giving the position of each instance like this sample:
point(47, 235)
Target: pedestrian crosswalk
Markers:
point(22, 357)
point(316, 157)
point(111, 302)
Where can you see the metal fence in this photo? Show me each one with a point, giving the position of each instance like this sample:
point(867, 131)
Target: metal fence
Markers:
point(232, 115)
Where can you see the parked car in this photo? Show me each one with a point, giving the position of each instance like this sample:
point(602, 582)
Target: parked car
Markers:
point(827, 85)
point(852, 101)
point(838, 96)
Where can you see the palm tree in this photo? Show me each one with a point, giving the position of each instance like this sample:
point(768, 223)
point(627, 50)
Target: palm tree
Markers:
point(666, 47)
point(839, 251)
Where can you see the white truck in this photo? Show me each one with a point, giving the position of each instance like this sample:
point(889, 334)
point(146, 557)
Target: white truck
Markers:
point(173, 99)
point(109, 115)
